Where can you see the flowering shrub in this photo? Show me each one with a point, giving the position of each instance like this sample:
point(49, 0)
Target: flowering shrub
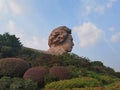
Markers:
point(13, 67)
point(60, 72)
point(36, 74)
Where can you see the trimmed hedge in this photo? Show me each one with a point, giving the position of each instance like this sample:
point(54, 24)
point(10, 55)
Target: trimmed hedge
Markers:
point(13, 67)
point(73, 83)
point(36, 74)
point(60, 72)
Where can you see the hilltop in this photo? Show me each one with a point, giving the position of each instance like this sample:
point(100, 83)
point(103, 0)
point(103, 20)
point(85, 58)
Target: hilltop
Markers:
point(31, 69)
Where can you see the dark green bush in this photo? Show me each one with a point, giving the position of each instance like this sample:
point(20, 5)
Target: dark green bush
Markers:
point(74, 72)
point(36, 74)
point(47, 60)
point(18, 84)
point(29, 54)
point(60, 72)
point(10, 45)
point(117, 74)
point(13, 67)
point(97, 63)
point(49, 78)
point(30, 85)
point(7, 83)
point(73, 83)
point(106, 79)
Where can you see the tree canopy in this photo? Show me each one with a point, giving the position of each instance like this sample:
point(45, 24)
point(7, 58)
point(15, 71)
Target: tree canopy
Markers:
point(10, 45)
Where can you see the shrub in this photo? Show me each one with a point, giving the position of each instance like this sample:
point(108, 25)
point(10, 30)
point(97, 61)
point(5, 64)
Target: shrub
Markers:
point(117, 74)
point(47, 59)
point(13, 67)
point(60, 72)
point(30, 85)
point(7, 83)
point(74, 72)
point(49, 78)
point(10, 45)
point(113, 86)
point(18, 84)
point(97, 63)
point(29, 54)
point(73, 83)
point(106, 79)
point(36, 74)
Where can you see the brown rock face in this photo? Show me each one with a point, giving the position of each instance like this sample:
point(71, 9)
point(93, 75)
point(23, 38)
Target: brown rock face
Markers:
point(60, 41)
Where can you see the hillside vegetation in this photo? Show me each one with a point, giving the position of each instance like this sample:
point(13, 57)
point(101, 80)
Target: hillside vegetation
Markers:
point(23, 68)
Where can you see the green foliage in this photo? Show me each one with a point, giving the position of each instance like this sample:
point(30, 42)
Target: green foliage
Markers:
point(7, 83)
point(113, 86)
point(91, 75)
point(67, 59)
point(36, 74)
point(49, 78)
point(29, 54)
point(106, 79)
point(96, 63)
point(30, 85)
point(13, 67)
point(18, 84)
point(9, 45)
point(117, 74)
point(47, 60)
point(74, 72)
point(73, 83)
point(109, 71)
point(98, 69)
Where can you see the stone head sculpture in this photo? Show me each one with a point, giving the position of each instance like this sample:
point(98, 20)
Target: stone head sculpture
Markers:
point(60, 41)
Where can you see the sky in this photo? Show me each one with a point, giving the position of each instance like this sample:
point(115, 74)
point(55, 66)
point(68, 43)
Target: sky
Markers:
point(95, 25)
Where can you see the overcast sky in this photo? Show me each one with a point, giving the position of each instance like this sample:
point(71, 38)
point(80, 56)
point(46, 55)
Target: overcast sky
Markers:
point(95, 25)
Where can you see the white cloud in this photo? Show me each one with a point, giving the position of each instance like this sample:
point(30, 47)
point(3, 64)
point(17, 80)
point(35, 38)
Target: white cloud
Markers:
point(100, 9)
point(11, 25)
point(15, 7)
point(115, 37)
point(11, 7)
point(95, 6)
point(88, 34)
point(112, 28)
point(37, 43)
point(3, 6)
point(13, 29)
point(110, 3)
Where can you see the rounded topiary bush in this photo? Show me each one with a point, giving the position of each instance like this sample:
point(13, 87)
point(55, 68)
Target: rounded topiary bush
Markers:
point(13, 67)
point(36, 74)
point(60, 72)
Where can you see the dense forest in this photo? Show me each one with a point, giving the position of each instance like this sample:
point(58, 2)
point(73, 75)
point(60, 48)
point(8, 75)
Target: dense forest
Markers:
point(23, 68)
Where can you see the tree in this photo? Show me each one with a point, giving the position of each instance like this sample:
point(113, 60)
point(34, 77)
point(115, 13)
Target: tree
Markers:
point(10, 45)
point(97, 63)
